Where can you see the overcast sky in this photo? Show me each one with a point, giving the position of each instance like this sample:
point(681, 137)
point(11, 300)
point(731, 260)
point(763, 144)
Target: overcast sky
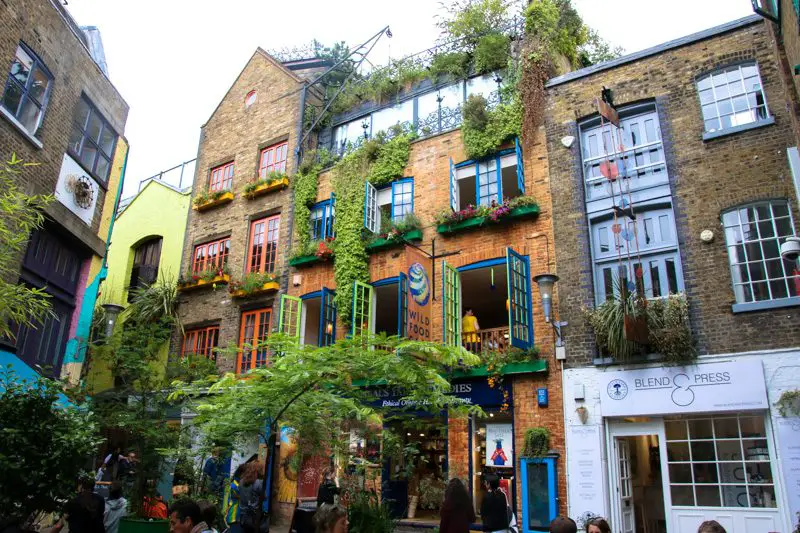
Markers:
point(173, 60)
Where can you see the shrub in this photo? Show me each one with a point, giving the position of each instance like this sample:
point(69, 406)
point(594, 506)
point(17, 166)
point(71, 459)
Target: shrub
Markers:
point(492, 52)
point(537, 442)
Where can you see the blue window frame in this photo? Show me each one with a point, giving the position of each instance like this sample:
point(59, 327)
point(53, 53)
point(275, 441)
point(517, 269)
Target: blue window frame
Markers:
point(327, 318)
point(322, 217)
point(398, 201)
point(27, 89)
point(482, 182)
point(402, 198)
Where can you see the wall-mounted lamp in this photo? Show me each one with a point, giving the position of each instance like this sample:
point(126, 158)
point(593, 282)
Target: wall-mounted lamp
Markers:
point(297, 279)
point(112, 313)
point(329, 328)
point(546, 283)
point(790, 249)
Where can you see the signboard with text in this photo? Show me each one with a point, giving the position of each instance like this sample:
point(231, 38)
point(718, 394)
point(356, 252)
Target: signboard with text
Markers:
point(499, 445)
point(420, 294)
point(709, 387)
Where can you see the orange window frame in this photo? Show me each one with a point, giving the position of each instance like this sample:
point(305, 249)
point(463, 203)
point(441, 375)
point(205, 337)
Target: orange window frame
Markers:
point(254, 329)
point(221, 178)
point(263, 251)
point(200, 341)
point(211, 255)
point(273, 159)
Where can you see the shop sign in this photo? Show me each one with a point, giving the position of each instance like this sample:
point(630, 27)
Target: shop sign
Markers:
point(499, 445)
point(725, 386)
point(418, 325)
point(475, 392)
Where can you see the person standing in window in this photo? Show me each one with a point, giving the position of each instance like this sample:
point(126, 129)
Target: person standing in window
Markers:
point(457, 512)
point(470, 328)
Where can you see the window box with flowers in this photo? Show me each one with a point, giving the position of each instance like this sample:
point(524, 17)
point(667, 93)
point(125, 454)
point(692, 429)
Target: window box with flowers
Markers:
point(211, 277)
point(254, 284)
point(209, 200)
point(275, 181)
point(315, 252)
point(521, 207)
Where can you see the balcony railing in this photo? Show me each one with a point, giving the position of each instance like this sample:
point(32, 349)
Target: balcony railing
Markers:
point(486, 340)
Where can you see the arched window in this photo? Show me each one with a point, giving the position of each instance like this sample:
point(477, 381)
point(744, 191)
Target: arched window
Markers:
point(732, 97)
point(145, 265)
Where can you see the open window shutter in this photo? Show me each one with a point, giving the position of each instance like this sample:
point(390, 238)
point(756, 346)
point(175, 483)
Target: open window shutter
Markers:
point(362, 300)
point(372, 220)
point(453, 188)
point(402, 305)
point(451, 305)
point(520, 170)
point(327, 319)
point(520, 312)
point(289, 320)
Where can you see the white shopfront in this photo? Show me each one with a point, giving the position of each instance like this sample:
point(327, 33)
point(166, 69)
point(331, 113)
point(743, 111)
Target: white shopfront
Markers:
point(661, 449)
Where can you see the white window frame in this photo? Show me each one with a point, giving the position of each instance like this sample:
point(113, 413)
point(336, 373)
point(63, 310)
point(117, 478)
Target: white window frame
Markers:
point(733, 226)
point(723, 91)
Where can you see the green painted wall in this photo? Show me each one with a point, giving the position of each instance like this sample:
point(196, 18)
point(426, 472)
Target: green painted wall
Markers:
point(158, 210)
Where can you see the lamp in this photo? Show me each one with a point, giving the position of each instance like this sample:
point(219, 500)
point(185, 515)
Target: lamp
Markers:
point(546, 283)
point(329, 328)
point(112, 313)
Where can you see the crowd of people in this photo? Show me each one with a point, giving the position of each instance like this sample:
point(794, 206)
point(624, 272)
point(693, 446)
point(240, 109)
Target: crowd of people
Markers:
point(88, 512)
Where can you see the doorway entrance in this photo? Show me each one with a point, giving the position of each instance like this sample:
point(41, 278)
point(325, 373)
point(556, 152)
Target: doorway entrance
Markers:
point(637, 500)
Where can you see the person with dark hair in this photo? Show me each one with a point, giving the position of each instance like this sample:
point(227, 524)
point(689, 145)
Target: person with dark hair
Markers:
point(563, 524)
point(711, 526)
point(327, 489)
point(116, 508)
point(208, 512)
point(597, 525)
point(494, 508)
point(185, 517)
point(457, 512)
point(331, 519)
point(84, 513)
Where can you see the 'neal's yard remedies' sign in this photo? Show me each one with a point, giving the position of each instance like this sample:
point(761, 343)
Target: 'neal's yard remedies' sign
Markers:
point(724, 386)
point(473, 392)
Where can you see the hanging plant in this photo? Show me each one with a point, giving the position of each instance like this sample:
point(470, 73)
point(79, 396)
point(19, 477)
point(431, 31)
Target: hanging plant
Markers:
point(789, 403)
point(537, 442)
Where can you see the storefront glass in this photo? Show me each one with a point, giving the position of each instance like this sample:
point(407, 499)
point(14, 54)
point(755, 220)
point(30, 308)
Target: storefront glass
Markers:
point(492, 452)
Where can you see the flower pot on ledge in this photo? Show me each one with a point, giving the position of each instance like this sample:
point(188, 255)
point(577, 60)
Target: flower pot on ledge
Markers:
point(308, 260)
point(200, 283)
point(266, 188)
point(524, 211)
point(270, 286)
point(223, 199)
point(382, 244)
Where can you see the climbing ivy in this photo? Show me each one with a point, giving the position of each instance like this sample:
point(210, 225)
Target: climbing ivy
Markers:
point(351, 262)
point(391, 157)
point(485, 130)
point(304, 184)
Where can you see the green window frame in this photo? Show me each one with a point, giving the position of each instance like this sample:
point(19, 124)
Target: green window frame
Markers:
point(451, 305)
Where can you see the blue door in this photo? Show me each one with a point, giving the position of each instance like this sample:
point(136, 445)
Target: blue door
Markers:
point(539, 494)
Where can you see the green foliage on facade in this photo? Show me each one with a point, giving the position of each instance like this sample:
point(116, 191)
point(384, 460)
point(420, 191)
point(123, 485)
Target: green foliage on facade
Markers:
point(492, 53)
point(391, 157)
point(43, 447)
point(537, 442)
point(304, 183)
point(484, 130)
point(351, 264)
point(20, 214)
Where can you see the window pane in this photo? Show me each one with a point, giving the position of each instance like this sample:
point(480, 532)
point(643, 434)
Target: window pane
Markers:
point(678, 451)
point(704, 472)
point(762, 496)
point(39, 84)
point(703, 451)
point(21, 67)
point(707, 496)
point(700, 429)
point(94, 127)
point(726, 428)
point(28, 115)
point(676, 430)
point(682, 494)
point(107, 139)
point(82, 113)
point(672, 276)
point(102, 168)
point(12, 97)
point(88, 155)
point(680, 473)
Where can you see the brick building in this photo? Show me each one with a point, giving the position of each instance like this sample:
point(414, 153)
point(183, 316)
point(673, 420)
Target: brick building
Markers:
point(255, 130)
point(60, 110)
point(466, 267)
point(697, 201)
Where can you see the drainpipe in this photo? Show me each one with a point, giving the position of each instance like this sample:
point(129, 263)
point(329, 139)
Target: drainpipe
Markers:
point(76, 347)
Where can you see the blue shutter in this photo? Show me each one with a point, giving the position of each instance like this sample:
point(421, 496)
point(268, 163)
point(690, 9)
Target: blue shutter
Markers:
point(520, 311)
point(498, 173)
point(330, 218)
point(520, 170)
point(327, 318)
point(453, 189)
point(402, 305)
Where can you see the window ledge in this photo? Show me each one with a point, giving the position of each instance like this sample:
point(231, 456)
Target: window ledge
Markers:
point(737, 129)
point(766, 305)
point(18, 125)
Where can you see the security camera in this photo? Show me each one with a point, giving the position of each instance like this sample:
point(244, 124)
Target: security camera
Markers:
point(790, 249)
